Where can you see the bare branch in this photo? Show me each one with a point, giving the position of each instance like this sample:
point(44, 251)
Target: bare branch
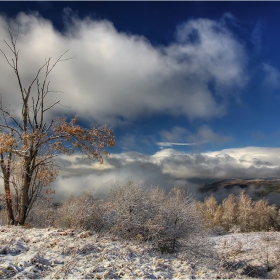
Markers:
point(51, 106)
point(30, 149)
point(12, 66)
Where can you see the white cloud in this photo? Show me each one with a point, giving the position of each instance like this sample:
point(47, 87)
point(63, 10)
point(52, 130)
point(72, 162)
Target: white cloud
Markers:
point(126, 166)
point(166, 168)
point(213, 50)
point(251, 156)
point(248, 162)
point(118, 77)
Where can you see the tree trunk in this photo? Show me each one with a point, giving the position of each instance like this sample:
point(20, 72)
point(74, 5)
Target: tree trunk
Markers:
point(24, 200)
point(23, 206)
point(8, 199)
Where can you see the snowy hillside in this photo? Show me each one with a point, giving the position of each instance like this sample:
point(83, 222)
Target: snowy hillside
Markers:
point(52, 253)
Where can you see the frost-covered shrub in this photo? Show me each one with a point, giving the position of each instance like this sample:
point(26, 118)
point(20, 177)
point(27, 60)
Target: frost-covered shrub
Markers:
point(42, 214)
point(82, 212)
point(132, 207)
point(176, 224)
point(169, 222)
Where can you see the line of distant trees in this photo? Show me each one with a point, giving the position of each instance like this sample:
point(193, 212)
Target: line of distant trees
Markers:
point(240, 213)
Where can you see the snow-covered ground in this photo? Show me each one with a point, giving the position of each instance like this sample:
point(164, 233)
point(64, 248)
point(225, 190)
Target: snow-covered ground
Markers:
point(54, 253)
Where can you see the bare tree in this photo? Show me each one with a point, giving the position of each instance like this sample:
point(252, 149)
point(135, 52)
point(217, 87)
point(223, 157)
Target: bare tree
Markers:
point(245, 206)
point(43, 177)
point(32, 142)
point(229, 212)
point(208, 211)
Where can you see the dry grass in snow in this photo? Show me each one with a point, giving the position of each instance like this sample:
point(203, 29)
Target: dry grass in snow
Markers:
point(53, 253)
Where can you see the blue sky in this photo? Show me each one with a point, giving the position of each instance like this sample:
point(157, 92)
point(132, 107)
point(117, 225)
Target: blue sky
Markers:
point(191, 89)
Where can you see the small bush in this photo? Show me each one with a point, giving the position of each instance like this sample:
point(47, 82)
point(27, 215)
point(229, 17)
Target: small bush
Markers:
point(42, 214)
point(175, 223)
point(82, 212)
point(169, 222)
point(131, 208)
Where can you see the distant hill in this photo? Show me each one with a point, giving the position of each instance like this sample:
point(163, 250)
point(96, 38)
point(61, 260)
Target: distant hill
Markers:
point(256, 188)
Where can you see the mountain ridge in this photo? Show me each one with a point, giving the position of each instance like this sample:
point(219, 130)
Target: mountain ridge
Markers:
point(256, 188)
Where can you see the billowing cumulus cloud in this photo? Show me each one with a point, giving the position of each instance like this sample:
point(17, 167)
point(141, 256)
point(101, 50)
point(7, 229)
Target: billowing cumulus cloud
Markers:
point(166, 168)
point(232, 163)
point(118, 77)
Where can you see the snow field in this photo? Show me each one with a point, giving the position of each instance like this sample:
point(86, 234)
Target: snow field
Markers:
point(55, 253)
